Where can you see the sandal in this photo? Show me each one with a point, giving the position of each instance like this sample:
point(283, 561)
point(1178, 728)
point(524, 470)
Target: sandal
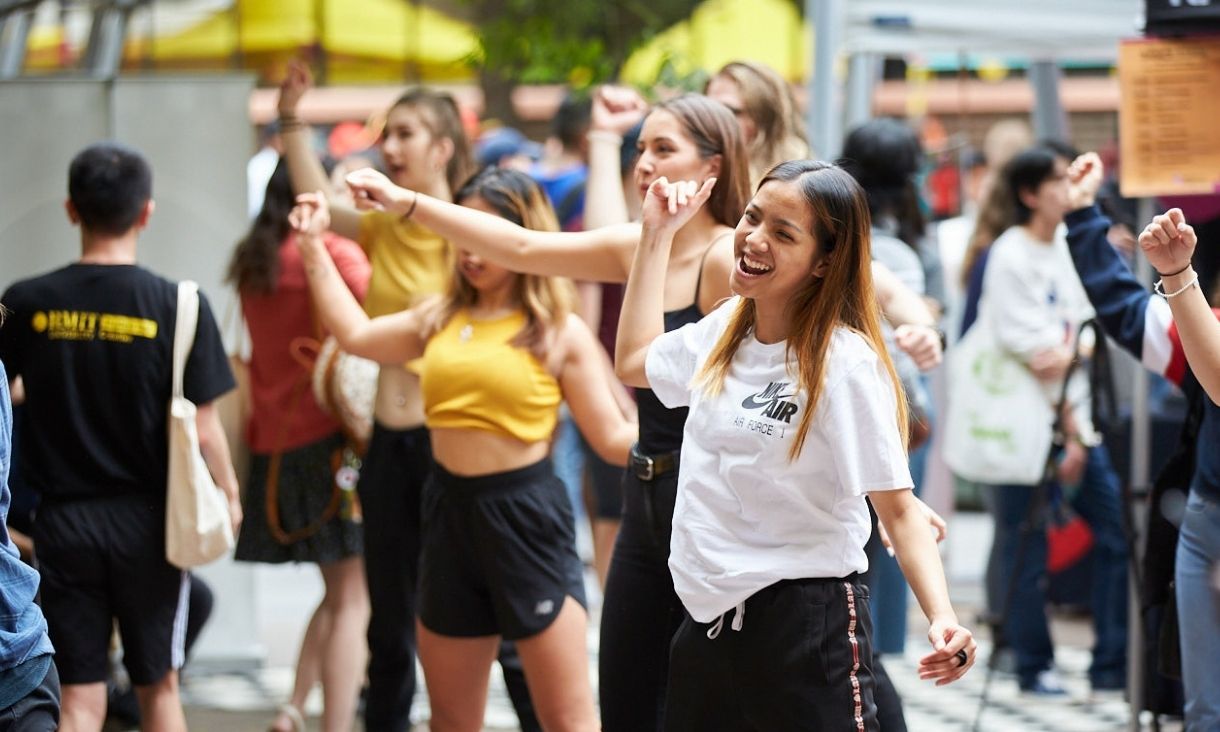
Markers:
point(294, 716)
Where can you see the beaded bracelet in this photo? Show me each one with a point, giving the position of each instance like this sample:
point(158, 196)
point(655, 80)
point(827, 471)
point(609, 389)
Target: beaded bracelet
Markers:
point(1159, 287)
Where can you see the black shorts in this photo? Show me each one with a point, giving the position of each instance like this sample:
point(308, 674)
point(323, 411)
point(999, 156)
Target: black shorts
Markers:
point(103, 560)
point(605, 482)
point(801, 660)
point(499, 553)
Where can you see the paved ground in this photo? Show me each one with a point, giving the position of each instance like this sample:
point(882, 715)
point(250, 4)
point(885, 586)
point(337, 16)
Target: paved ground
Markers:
point(236, 702)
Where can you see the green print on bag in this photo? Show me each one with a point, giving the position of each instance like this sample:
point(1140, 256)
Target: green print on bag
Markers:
point(996, 373)
point(998, 423)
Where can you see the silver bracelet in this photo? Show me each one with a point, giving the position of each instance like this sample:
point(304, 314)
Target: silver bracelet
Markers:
point(1159, 287)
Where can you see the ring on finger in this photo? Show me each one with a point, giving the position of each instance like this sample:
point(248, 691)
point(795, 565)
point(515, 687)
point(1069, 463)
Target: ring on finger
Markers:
point(962, 658)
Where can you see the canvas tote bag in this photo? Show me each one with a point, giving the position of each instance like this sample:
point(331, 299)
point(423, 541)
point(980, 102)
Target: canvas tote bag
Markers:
point(999, 425)
point(197, 527)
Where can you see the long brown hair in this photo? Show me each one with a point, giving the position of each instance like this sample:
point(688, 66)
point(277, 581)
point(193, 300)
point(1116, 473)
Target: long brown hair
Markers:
point(255, 266)
point(768, 99)
point(714, 131)
point(1003, 207)
point(444, 120)
point(842, 298)
point(546, 301)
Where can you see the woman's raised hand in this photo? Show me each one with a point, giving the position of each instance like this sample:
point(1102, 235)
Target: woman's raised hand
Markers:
point(1084, 180)
point(296, 82)
point(310, 217)
point(372, 191)
point(617, 109)
point(1169, 242)
point(668, 206)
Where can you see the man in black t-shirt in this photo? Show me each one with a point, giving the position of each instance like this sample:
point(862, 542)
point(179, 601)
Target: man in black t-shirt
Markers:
point(93, 343)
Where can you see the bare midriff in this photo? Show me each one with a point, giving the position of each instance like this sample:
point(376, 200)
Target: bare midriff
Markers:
point(399, 405)
point(470, 452)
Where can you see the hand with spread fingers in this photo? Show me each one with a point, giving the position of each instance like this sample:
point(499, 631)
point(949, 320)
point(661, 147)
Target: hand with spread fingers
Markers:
point(954, 652)
point(668, 206)
point(1169, 243)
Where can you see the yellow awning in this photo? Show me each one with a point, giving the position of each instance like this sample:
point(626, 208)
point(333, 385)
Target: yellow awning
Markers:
point(364, 40)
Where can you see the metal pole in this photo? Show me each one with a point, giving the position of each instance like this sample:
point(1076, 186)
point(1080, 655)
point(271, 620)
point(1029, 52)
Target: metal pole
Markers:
point(14, 36)
point(862, 74)
point(1141, 433)
point(104, 53)
point(824, 111)
point(1049, 119)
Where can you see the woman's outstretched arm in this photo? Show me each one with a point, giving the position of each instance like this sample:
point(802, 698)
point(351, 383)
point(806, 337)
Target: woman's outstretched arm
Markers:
point(389, 339)
point(600, 255)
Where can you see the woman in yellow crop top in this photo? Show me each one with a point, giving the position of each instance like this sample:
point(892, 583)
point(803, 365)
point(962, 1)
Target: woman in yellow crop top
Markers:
point(499, 352)
point(423, 145)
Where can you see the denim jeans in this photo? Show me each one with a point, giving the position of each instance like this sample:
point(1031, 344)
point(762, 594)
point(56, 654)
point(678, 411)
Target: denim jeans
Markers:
point(1025, 623)
point(38, 711)
point(1199, 611)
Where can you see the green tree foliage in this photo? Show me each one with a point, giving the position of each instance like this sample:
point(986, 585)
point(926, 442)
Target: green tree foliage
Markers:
point(577, 42)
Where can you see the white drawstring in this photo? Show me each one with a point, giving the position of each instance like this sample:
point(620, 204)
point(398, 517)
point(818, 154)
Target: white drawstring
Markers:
point(739, 618)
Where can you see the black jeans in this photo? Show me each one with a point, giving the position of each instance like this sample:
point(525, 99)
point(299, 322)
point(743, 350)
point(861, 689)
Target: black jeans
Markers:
point(391, 493)
point(640, 612)
point(38, 711)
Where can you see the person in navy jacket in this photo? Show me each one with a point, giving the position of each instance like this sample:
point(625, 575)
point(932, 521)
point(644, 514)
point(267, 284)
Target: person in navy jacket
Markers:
point(1171, 335)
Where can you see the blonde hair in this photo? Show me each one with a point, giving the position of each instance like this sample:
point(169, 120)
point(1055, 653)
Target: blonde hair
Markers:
point(768, 100)
point(842, 298)
point(546, 301)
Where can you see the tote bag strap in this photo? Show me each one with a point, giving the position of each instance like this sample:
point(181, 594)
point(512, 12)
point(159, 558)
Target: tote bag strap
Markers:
point(1057, 428)
point(184, 330)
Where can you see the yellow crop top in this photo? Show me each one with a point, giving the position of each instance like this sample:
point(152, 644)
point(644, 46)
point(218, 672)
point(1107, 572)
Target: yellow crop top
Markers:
point(472, 378)
point(409, 262)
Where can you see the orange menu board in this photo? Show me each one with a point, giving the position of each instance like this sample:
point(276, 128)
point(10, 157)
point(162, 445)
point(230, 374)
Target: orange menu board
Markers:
point(1168, 115)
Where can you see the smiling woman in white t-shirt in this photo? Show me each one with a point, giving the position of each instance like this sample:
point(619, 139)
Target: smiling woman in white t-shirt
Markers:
point(795, 415)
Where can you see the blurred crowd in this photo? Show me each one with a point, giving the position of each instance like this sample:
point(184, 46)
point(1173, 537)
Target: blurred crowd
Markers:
point(446, 372)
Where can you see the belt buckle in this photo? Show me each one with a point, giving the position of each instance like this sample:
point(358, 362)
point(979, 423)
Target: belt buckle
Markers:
point(649, 467)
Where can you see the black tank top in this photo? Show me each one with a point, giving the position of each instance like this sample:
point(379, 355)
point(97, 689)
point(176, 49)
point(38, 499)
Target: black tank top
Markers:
point(661, 427)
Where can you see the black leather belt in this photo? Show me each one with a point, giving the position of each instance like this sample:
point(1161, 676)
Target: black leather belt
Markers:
point(651, 467)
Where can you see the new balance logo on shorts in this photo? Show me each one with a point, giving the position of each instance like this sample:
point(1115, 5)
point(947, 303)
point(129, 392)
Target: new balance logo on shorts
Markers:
point(544, 608)
point(771, 402)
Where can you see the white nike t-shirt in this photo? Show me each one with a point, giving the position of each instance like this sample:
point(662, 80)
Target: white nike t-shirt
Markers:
point(747, 517)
